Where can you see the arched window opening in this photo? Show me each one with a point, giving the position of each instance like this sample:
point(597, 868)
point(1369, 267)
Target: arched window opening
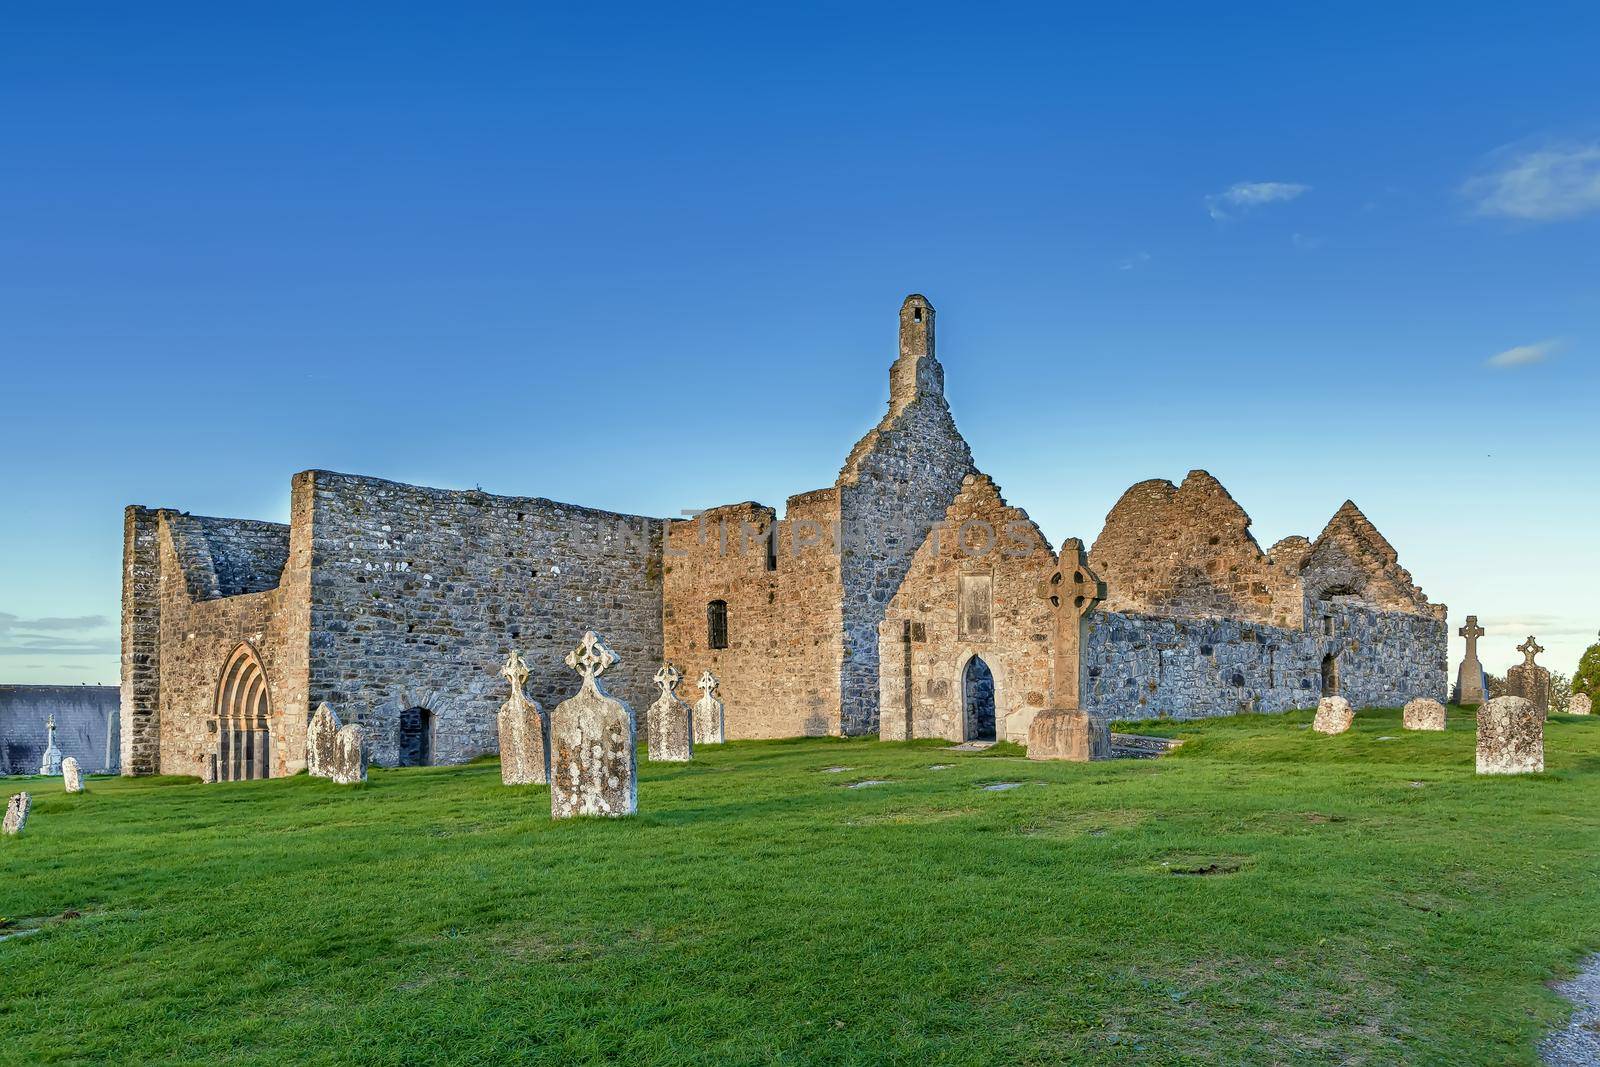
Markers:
point(717, 624)
point(977, 695)
point(243, 716)
point(416, 737)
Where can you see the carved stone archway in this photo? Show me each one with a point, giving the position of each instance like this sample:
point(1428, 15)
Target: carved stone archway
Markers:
point(244, 717)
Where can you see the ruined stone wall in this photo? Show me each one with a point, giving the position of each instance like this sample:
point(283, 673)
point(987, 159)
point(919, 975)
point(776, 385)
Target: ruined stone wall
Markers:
point(895, 485)
point(199, 635)
point(979, 535)
point(1187, 551)
point(140, 691)
point(86, 726)
point(780, 671)
point(1352, 561)
point(417, 595)
point(1145, 667)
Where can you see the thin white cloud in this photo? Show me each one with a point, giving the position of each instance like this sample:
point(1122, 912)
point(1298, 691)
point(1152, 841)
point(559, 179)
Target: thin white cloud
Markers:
point(1539, 185)
point(1522, 355)
point(47, 635)
point(1138, 259)
point(1245, 196)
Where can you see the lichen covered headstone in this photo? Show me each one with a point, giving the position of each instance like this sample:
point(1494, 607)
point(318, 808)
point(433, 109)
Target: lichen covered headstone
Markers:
point(1510, 737)
point(1068, 734)
point(1423, 714)
point(710, 727)
point(592, 768)
point(670, 722)
point(1580, 704)
point(349, 764)
point(1529, 680)
point(320, 734)
point(17, 813)
point(71, 776)
point(1334, 716)
point(524, 749)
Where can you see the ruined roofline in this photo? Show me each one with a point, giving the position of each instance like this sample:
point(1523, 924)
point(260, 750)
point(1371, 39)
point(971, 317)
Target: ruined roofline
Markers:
point(318, 475)
point(1196, 481)
point(978, 481)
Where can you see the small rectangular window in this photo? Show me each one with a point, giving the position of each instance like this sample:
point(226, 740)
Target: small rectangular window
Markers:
point(717, 624)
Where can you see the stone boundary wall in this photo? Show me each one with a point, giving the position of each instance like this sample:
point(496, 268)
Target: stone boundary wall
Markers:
point(86, 726)
point(1143, 667)
point(417, 595)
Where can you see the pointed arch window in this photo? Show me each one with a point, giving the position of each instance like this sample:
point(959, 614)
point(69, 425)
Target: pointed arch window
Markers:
point(243, 715)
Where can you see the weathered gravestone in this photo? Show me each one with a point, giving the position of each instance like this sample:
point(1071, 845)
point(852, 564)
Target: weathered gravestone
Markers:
point(349, 765)
point(17, 813)
point(71, 776)
point(51, 763)
point(1334, 716)
point(320, 734)
point(1065, 731)
point(669, 721)
point(1528, 680)
point(1424, 714)
point(1580, 704)
point(524, 750)
point(709, 725)
point(592, 768)
point(1469, 677)
point(1510, 737)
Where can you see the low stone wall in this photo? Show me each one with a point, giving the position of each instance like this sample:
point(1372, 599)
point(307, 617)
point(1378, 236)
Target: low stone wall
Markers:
point(86, 726)
point(1141, 667)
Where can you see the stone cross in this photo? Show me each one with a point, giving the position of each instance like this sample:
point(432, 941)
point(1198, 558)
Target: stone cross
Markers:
point(707, 684)
point(590, 658)
point(709, 728)
point(1469, 677)
point(669, 722)
point(1072, 591)
point(667, 678)
point(1529, 649)
point(515, 671)
point(51, 763)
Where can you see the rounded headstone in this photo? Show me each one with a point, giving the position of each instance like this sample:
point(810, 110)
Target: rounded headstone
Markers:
point(1424, 714)
point(1510, 737)
point(71, 776)
point(1580, 704)
point(1334, 716)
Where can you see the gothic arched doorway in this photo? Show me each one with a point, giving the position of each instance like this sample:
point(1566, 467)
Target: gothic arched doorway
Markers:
point(243, 716)
point(977, 700)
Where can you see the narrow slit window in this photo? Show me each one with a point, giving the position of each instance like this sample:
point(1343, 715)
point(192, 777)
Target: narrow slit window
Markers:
point(717, 624)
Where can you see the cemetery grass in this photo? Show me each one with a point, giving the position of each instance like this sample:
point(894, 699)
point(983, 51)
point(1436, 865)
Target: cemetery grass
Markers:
point(1264, 895)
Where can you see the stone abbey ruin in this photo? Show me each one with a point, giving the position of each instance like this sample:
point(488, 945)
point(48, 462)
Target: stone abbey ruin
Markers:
point(908, 599)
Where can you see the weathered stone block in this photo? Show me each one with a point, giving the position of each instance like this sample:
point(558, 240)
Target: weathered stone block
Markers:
point(320, 735)
point(71, 776)
point(1334, 716)
point(17, 813)
point(1510, 737)
point(1580, 704)
point(669, 721)
point(709, 725)
point(349, 765)
point(592, 768)
point(1060, 734)
point(1424, 714)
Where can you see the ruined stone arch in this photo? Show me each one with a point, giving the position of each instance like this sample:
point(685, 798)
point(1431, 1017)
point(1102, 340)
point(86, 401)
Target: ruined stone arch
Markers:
point(995, 723)
point(244, 717)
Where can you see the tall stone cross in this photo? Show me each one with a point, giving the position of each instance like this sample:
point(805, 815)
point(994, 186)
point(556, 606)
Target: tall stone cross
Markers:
point(1471, 631)
point(1072, 590)
point(1469, 677)
point(516, 672)
point(1529, 649)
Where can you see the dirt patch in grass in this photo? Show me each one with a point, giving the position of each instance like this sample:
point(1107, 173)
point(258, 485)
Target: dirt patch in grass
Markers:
point(1191, 866)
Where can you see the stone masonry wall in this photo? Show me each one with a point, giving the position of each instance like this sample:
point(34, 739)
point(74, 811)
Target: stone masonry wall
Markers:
point(780, 671)
point(896, 484)
point(140, 691)
point(1187, 551)
point(417, 595)
point(86, 726)
point(980, 535)
point(1143, 667)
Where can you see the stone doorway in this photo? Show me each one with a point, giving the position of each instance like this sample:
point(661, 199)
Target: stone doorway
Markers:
point(243, 714)
point(1330, 675)
point(977, 696)
point(416, 737)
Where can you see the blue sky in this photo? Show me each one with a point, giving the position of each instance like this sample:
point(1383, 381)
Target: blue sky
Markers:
point(650, 258)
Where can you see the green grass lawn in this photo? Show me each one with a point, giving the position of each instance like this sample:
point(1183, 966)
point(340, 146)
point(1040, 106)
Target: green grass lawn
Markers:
point(1265, 894)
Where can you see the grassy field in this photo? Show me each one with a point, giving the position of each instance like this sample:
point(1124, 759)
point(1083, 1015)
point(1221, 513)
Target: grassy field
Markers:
point(1264, 895)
